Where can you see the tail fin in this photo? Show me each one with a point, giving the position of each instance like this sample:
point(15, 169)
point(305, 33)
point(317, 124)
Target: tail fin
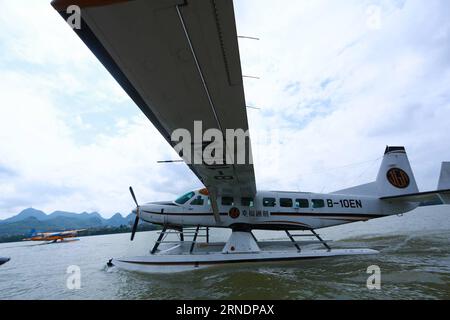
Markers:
point(395, 183)
point(444, 179)
point(444, 182)
point(395, 177)
point(33, 233)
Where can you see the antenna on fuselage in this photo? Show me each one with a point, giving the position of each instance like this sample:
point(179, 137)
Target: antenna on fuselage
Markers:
point(249, 38)
point(170, 161)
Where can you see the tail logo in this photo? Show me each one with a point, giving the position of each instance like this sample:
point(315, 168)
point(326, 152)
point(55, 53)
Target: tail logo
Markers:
point(398, 178)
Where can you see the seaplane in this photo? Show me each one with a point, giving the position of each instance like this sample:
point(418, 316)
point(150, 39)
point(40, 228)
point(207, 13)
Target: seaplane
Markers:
point(54, 237)
point(179, 61)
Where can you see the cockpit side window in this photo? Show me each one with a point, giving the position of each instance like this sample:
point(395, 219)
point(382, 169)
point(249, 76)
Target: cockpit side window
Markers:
point(185, 198)
point(198, 201)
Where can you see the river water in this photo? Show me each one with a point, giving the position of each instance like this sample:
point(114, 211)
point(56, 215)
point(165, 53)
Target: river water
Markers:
point(414, 261)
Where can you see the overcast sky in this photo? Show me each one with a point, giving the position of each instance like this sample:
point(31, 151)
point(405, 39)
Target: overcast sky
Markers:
point(340, 80)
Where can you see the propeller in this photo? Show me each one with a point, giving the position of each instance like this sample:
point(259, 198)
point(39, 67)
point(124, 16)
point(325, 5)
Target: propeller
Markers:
point(136, 221)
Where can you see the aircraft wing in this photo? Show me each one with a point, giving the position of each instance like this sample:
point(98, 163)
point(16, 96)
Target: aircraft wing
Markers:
point(179, 61)
point(49, 234)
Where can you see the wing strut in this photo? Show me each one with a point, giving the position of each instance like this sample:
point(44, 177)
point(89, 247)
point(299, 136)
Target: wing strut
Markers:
point(214, 206)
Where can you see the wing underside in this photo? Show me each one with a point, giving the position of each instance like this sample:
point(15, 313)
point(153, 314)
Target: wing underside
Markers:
point(179, 62)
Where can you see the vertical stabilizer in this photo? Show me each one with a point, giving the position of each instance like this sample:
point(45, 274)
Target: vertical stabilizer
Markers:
point(444, 178)
point(395, 176)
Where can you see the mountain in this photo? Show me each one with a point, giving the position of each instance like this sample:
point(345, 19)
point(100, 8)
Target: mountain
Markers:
point(27, 213)
point(19, 227)
point(31, 218)
point(80, 216)
point(118, 220)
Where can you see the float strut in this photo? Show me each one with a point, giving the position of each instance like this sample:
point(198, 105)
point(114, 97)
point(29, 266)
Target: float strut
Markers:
point(161, 235)
point(181, 234)
point(321, 240)
point(194, 240)
point(293, 241)
point(254, 238)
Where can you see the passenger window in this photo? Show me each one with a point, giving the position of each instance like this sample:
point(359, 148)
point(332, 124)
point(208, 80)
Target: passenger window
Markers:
point(199, 201)
point(269, 202)
point(301, 203)
point(286, 203)
point(227, 201)
point(318, 203)
point(247, 202)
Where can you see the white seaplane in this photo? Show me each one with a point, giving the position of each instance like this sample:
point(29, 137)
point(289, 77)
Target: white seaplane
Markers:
point(179, 62)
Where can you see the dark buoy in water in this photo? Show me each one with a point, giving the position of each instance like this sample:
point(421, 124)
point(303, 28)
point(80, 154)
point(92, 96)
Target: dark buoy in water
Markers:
point(3, 260)
point(109, 263)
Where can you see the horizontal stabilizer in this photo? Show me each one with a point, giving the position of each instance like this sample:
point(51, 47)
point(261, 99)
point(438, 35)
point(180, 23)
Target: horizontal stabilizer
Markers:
point(424, 198)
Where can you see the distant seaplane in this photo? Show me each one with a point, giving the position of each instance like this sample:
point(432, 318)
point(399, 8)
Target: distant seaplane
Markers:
point(179, 61)
point(53, 237)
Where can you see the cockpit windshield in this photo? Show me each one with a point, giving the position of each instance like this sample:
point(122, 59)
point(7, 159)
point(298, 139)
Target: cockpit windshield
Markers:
point(185, 198)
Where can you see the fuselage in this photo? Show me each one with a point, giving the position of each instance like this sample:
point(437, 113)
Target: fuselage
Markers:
point(270, 210)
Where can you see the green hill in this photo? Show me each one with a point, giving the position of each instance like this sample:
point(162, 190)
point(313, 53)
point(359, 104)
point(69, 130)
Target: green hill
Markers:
point(20, 226)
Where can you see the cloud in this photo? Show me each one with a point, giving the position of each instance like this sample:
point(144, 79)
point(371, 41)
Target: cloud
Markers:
point(70, 137)
point(335, 90)
point(54, 170)
point(339, 81)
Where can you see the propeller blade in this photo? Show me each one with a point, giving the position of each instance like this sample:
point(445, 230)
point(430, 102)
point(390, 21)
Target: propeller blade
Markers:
point(136, 221)
point(135, 225)
point(134, 197)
